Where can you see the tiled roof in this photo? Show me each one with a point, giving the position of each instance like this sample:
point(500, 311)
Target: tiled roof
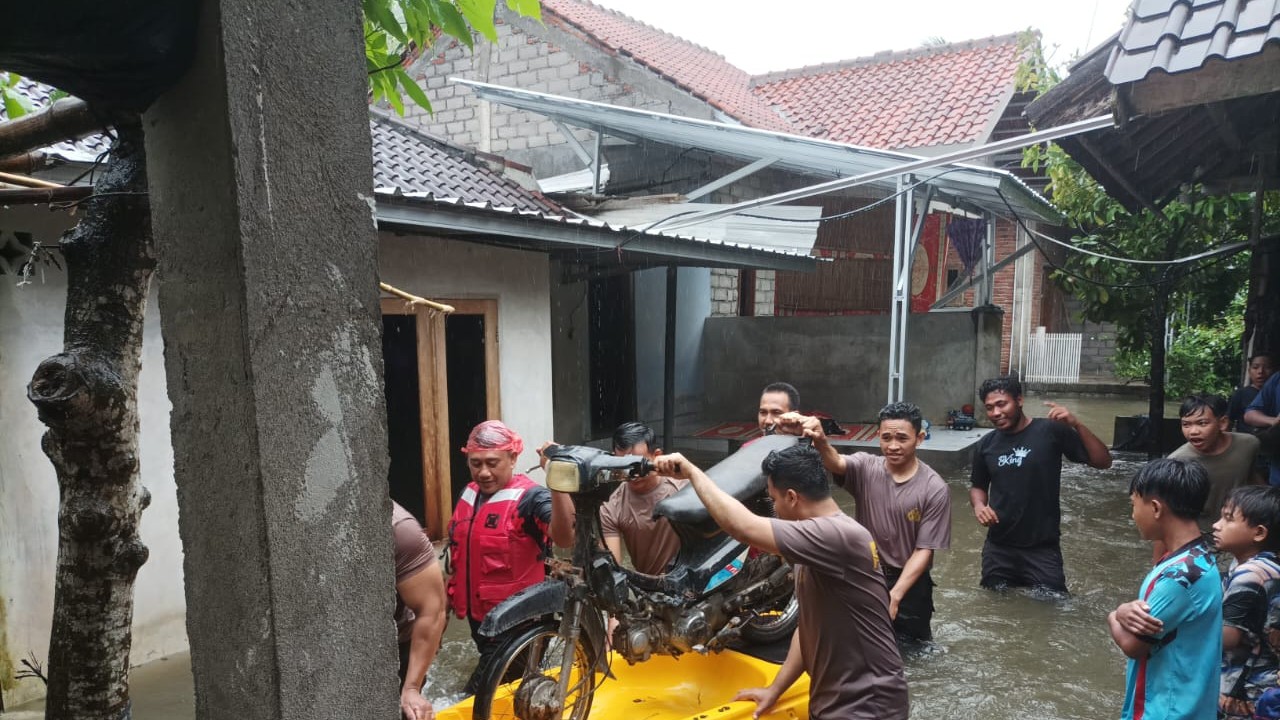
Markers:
point(1179, 35)
point(945, 95)
point(692, 67)
point(411, 162)
point(86, 149)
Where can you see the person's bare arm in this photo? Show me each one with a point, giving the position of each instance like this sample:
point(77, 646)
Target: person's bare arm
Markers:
point(981, 510)
point(614, 544)
point(915, 567)
point(563, 518)
point(1131, 645)
point(1099, 455)
point(424, 595)
point(732, 516)
point(811, 427)
point(1231, 637)
point(1257, 418)
point(766, 697)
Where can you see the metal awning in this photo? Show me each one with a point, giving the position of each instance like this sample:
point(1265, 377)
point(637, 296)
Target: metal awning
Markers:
point(590, 244)
point(971, 188)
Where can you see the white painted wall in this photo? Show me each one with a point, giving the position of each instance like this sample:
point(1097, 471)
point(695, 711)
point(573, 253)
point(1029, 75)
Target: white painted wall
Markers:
point(31, 330)
point(436, 268)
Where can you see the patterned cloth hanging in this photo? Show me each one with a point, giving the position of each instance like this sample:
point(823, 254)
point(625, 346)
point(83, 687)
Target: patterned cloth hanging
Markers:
point(966, 237)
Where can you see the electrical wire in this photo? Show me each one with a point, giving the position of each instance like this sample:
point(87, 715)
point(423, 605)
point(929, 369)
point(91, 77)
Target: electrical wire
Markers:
point(1115, 286)
point(1229, 249)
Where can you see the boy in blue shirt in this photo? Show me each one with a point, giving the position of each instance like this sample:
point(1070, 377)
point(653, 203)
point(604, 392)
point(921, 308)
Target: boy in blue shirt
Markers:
point(1172, 633)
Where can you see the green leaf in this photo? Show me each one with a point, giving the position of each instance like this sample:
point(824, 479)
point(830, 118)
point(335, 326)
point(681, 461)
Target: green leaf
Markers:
point(412, 89)
point(452, 22)
point(380, 14)
point(527, 8)
point(480, 14)
point(15, 105)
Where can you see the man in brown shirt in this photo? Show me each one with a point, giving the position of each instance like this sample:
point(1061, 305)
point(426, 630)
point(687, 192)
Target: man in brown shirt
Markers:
point(902, 501)
point(845, 639)
point(420, 602)
point(627, 517)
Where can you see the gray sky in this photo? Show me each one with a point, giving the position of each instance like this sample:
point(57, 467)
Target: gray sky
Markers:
point(760, 36)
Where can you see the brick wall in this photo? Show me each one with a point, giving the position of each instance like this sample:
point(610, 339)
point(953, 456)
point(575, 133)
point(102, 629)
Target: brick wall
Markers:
point(530, 56)
point(1097, 346)
point(724, 292)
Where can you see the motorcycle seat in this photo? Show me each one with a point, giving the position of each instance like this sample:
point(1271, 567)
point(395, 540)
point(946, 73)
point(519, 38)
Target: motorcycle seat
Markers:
point(739, 475)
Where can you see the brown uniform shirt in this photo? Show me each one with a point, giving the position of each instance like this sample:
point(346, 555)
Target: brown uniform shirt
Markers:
point(413, 553)
point(628, 514)
point(902, 517)
point(1227, 470)
point(847, 641)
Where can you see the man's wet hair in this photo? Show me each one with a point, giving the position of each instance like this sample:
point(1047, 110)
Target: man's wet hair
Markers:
point(1182, 485)
point(1009, 384)
point(793, 395)
point(1258, 505)
point(903, 411)
point(1215, 404)
point(798, 468)
point(631, 434)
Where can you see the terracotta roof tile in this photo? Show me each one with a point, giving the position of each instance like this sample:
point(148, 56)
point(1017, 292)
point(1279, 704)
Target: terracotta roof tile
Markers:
point(945, 95)
point(691, 67)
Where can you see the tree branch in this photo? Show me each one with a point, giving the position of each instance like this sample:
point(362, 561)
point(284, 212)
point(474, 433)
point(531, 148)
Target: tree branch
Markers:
point(66, 119)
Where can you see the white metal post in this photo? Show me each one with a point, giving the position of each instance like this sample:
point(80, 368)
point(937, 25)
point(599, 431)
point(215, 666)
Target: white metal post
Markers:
point(899, 235)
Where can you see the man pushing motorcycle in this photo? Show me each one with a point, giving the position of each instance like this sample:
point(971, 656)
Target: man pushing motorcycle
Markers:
point(845, 640)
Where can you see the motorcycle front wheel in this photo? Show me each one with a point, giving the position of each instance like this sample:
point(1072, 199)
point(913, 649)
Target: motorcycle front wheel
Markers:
point(535, 654)
point(773, 625)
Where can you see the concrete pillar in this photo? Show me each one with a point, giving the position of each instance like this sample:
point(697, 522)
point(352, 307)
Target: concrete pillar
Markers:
point(261, 188)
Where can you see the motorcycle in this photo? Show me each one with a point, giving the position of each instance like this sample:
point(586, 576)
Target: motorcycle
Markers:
point(716, 591)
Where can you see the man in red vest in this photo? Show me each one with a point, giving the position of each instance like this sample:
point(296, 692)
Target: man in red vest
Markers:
point(500, 532)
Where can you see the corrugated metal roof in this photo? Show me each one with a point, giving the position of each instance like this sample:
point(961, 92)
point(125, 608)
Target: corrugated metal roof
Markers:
point(966, 187)
point(577, 237)
point(1179, 35)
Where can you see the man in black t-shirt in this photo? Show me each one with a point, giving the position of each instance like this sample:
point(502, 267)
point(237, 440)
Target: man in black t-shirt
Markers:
point(1017, 473)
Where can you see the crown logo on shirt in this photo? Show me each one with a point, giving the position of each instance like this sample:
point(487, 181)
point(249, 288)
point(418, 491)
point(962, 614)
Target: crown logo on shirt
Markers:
point(1016, 457)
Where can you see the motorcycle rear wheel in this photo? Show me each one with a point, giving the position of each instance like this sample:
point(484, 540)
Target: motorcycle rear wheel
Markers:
point(542, 644)
point(775, 625)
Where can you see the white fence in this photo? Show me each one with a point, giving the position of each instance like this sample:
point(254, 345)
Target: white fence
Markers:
point(1053, 357)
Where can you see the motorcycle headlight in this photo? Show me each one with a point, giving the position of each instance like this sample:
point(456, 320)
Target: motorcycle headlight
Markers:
point(563, 476)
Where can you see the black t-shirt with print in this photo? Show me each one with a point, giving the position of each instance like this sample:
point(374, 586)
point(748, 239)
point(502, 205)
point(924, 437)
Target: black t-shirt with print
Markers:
point(1022, 474)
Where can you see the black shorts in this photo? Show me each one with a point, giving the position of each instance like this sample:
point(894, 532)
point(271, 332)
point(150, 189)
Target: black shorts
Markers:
point(1034, 567)
point(915, 611)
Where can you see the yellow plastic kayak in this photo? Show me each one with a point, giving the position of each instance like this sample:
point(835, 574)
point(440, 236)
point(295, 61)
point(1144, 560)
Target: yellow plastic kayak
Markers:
point(689, 687)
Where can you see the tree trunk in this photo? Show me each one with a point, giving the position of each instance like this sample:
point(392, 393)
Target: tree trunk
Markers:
point(1155, 407)
point(87, 396)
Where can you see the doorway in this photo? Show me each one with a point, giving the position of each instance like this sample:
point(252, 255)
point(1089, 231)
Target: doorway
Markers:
point(441, 379)
point(611, 327)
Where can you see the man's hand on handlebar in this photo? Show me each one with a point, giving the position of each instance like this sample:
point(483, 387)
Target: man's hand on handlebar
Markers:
point(674, 465)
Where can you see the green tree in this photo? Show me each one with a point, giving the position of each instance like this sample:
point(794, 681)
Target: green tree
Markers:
point(1131, 268)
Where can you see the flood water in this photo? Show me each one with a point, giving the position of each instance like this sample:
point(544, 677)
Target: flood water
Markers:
point(997, 655)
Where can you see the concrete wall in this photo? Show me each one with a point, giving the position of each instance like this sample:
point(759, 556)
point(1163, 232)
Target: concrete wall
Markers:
point(840, 364)
point(30, 331)
point(693, 303)
point(437, 268)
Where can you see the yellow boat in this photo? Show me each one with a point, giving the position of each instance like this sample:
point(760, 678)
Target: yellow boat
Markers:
point(692, 686)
